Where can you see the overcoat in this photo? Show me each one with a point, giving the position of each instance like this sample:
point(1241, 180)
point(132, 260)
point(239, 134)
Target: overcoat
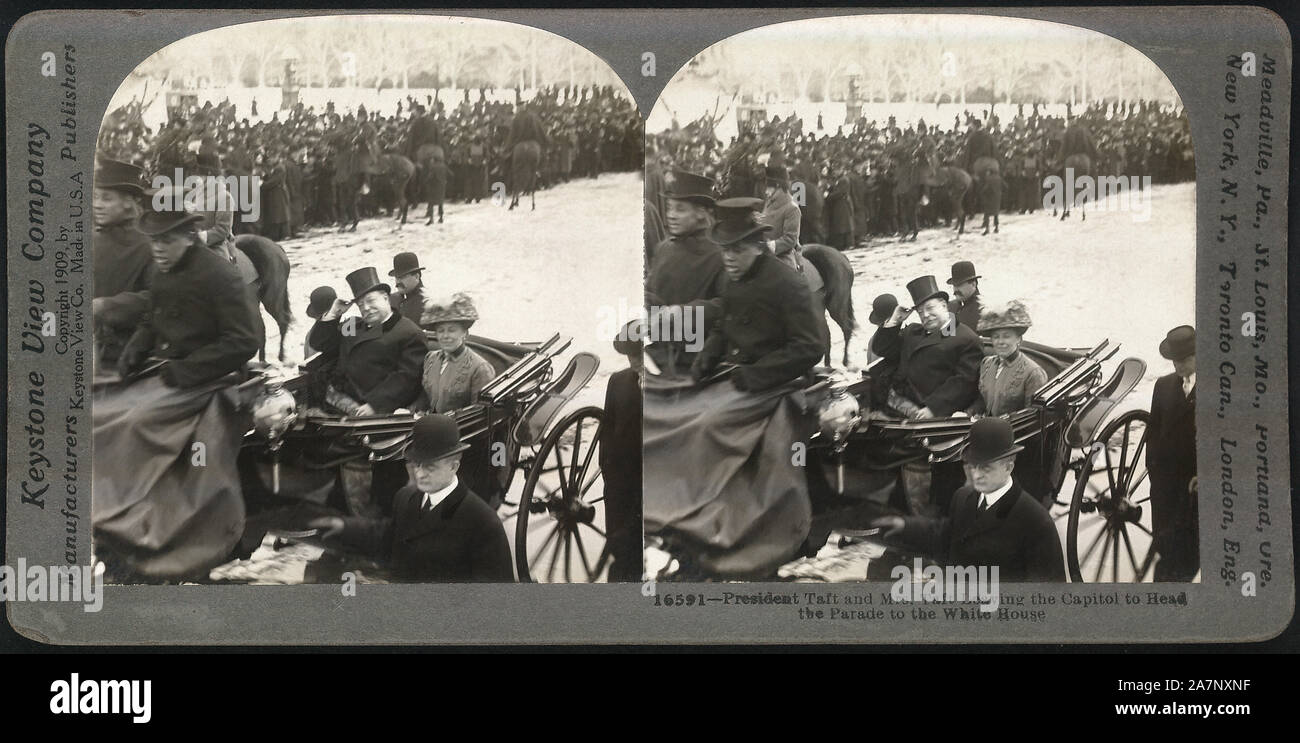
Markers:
point(124, 268)
point(377, 365)
point(1016, 534)
point(456, 386)
point(460, 541)
point(1171, 462)
point(935, 370)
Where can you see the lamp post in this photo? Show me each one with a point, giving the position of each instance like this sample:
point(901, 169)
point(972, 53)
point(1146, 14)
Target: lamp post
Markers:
point(289, 81)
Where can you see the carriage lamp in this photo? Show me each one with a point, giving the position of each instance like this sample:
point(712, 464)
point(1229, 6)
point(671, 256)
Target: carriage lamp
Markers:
point(838, 415)
point(274, 411)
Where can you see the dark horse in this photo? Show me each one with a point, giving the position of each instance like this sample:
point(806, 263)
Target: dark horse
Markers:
point(431, 163)
point(1074, 166)
point(272, 283)
point(356, 167)
point(837, 286)
point(524, 159)
point(987, 177)
point(914, 175)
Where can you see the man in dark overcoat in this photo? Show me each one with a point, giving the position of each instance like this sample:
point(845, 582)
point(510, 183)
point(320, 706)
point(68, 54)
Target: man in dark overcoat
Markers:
point(123, 264)
point(440, 530)
point(966, 304)
point(979, 143)
point(992, 521)
point(408, 300)
point(1171, 461)
point(768, 327)
point(380, 355)
point(937, 359)
point(201, 318)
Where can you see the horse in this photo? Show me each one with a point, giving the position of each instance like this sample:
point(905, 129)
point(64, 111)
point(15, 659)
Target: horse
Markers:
point(432, 171)
point(950, 186)
point(986, 174)
point(911, 175)
point(837, 284)
point(394, 173)
point(524, 160)
point(272, 283)
point(1075, 165)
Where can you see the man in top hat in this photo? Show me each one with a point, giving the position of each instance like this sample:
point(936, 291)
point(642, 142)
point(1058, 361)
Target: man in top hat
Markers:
point(379, 356)
point(687, 270)
point(966, 303)
point(992, 521)
point(1171, 461)
point(201, 317)
point(440, 530)
point(123, 263)
point(937, 359)
point(768, 326)
point(408, 300)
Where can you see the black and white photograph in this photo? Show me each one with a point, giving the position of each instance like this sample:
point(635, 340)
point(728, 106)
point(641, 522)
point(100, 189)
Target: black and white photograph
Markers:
point(350, 276)
point(921, 291)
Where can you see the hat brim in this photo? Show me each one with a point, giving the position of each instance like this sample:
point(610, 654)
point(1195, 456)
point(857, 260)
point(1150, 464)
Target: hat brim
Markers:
point(407, 272)
point(153, 227)
point(457, 449)
point(1167, 353)
point(132, 188)
point(723, 236)
point(876, 318)
point(967, 459)
point(958, 280)
point(698, 199)
point(988, 330)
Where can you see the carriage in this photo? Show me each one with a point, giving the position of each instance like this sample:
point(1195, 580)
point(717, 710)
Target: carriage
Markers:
point(1090, 463)
point(521, 426)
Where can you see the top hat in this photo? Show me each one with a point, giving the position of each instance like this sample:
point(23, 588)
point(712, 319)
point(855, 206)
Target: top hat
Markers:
point(119, 176)
point(882, 308)
point(990, 439)
point(736, 220)
point(404, 263)
point(433, 437)
point(1013, 315)
point(777, 175)
point(458, 308)
point(1179, 343)
point(155, 222)
point(963, 271)
point(365, 280)
point(321, 299)
point(923, 288)
point(683, 186)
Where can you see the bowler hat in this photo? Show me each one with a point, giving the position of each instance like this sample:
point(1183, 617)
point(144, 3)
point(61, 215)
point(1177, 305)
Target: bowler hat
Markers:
point(321, 299)
point(119, 176)
point(683, 186)
point(923, 288)
point(365, 280)
point(736, 220)
point(433, 437)
point(1179, 343)
point(404, 263)
point(777, 175)
point(157, 222)
point(458, 308)
point(628, 340)
point(882, 308)
point(963, 271)
point(990, 439)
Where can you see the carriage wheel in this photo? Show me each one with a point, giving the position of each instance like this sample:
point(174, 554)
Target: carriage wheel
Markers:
point(1109, 531)
point(560, 526)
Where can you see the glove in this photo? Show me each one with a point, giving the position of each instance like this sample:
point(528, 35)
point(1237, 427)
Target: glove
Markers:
point(132, 358)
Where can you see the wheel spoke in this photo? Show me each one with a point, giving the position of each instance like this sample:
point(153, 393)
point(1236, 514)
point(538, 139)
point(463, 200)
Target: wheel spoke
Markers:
point(1110, 474)
point(596, 529)
point(1143, 528)
point(537, 555)
point(1101, 533)
point(594, 477)
point(1101, 561)
point(1114, 560)
point(560, 468)
point(582, 553)
point(555, 555)
point(1128, 545)
point(568, 559)
point(1123, 452)
point(577, 447)
point(595, 444)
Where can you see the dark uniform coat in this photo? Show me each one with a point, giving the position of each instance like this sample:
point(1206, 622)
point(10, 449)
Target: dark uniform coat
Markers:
point(1016, 534)
point(200, 319)
point(378, 365)
point(839, 214)
point(979, 144)
point(409, 304)
point(768, 327)
point(460, 541)
point(938, 371)
point(124, 268)
point(687, 270)
point(1171, 461)
point(968, 312)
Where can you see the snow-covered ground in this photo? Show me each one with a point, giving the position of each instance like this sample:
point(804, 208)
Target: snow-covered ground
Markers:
point(562, 268)
point(1082, 281)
